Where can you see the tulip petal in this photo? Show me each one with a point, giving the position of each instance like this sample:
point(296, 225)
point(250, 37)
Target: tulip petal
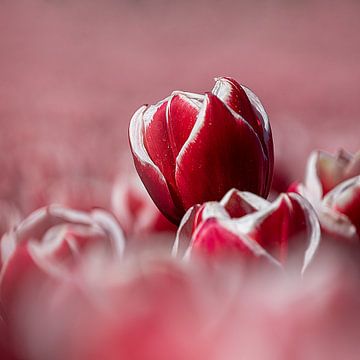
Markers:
point(345, 199)
point(149, 172)
point(221, 152)
point(181, 114)
point(234, 96)
point(183, 234)
point(245, 103)
point(264, 133)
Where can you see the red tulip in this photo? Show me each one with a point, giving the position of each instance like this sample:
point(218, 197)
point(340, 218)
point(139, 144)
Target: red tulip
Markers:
point(191, 148)
point(332, 185)
point(285, 232)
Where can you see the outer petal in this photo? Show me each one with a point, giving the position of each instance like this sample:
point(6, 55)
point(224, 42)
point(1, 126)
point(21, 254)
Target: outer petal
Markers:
point(345, 199)
point(181, 113)
point(266, 139)
point(156, 139)
point(149, 173)
point(234, 96)
point(222, 152)
point(245, 103)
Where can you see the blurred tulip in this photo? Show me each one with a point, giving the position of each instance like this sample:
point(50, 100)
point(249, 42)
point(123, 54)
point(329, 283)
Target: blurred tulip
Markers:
point(191, 148)
point(284, 233)
point(134, 209)
point(51, 242)
point(332, 185)
point(145, 309)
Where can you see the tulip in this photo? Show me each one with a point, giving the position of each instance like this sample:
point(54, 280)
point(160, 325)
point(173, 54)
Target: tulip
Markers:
point(283, 233)
point(50, 243)
point(332, 185)
point(191, 148)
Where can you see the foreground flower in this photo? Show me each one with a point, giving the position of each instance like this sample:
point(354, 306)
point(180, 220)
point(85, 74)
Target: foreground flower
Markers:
point(191, 148)
point(285, 232)
point(332, 185)
point(161, 308)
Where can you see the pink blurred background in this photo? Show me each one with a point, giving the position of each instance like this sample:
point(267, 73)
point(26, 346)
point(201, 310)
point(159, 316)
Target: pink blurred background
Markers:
point(73, 72)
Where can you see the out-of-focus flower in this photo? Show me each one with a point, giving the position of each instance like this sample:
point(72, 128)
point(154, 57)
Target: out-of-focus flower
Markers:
point(156, 308)
point(285, 232)
point(191, 148)
point(332, 185)
point(52, 242)
point(134, 209)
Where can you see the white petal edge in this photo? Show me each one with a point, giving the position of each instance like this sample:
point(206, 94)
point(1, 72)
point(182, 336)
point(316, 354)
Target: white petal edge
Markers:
point(112, 228)
point(314, 226)
point(180, 246)
point(256, 103)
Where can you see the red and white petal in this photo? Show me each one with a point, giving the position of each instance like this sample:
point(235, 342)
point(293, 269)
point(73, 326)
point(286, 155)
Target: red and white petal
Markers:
point(220, 237)
point(149, 172)
point(288, 229)
point(264, 132)
point(234, 96)
point(222, 152)
point(184, 232)
point(156, 140)
point(181, 113)
point(245, 103)
point(240, 203)
point(345, 199)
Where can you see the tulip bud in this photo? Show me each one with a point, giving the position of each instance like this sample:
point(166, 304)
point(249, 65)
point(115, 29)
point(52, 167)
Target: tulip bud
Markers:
point(191, 148)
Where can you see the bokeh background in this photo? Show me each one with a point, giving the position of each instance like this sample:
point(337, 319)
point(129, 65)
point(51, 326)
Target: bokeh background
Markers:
point(72, 72)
